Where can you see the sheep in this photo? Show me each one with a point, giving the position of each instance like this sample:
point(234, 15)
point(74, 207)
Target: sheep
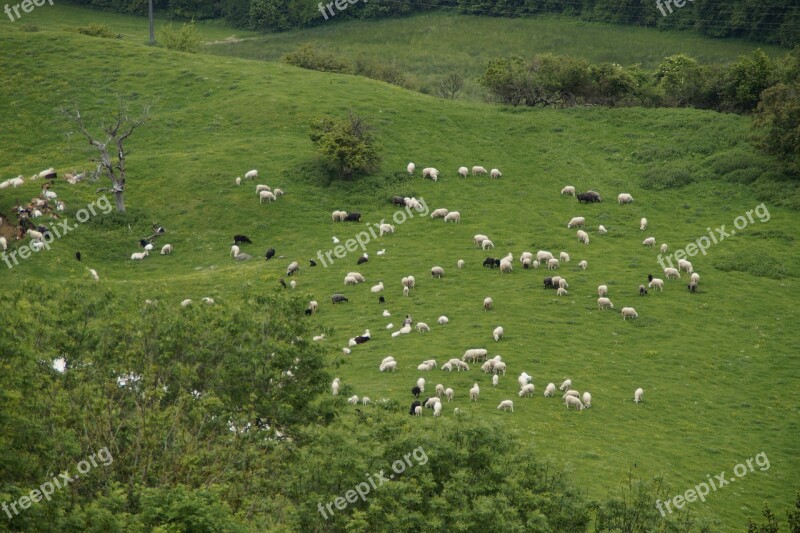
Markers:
point(583, 264)
point(61, 206)
point(93, 273)
point(695, 277)
point(569, 189)
point(35, 235)
point(638, 395)
point(448, 392)
point(587, 400)
point(389, 366)
point(650, 241)
point(478, 170)
point(238, 181)
point(437, 408)
point(543, 255)
point(571, 392)
point(524, 379)
point(495, 173)
point(365, 400)
point(424, 367)
point(583, 236)
point(292, 284)
point(3, 243)
point(437, 272)
point(234, 250)
point(624, 198)
point(527, 390)
point(601, 230)
point(655, 282)
point(410, 168)
point(442, 320)
point(692, 286)
point(350, 280)
point(671, 273)
point(488, 366)
point(37, 245)
point(266, 195)
point(421, 384)
point(604, 303)
point(241, 239)
point(479, 238)
point(564, 257)
point(498, 367)
point(149, 247)
point(506, 267)
point(166, 249)
point(262, 187)
point(387, 359)
point(495, 380)
point(293, 268)
point(575, 222)
point(683, 264)
point(453, 216)
point(463, 171)
point(573, 401)
point(642, 226)
point(251, 174)
point(409, 281)
point(488, 303)
point(208, 300)
point(338, 216)
point(486, 244)
point(137, 256)
point(338, 298)
point(354, 216)
point(242, 257)
point(335, 386)
point(664, 248)
point(474, 392)
point(565, 385)
point(549, 390)
point(642, 290)
point(505, 405)
point(439, 213)
point(405, 291)
point(526, 263)
point(377, 288)
point(561, 291)
point(422, 326)
point(473, 354)
point(447, 366)
point(588, 196)
point(552, 264)
point(186, 303)
point(385, 228)
point(431, 173)
point(460, 263)
point(313, 306)
point(498, 333)
point(629, 312)
point(346, 351)
point(50, 195)
point(460, 365)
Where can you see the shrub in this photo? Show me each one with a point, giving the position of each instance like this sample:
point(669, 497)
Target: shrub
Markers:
point(666, 178)
point(96, 30)
point(184, 39)
point(308, 56)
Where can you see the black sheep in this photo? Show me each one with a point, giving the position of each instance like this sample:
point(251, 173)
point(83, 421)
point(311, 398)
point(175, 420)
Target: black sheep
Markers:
point(283, 283)
point(360, 339)
point(270, 254)
point(398, 200)
point(489, 262)
point(362, 260)
point(355, 216)
point(548, 282)
point(649, 277)
point(414, 406)
point(642, 290)
point(415, 391)
point(381, 300)
point(338, 298)
point(312, 263)
point(308, 312)
point(241, 239)
point(78, 256)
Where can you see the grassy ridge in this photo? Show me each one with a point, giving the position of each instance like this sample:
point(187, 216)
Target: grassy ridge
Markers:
point(716, 366)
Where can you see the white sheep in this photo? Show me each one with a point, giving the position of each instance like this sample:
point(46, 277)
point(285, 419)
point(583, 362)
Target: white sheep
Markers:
point(624, 198)
point(37, 245)
point(365, 400)
point(387, 359)
point(671, 273)
point(149, 247)
point(386, 228)
point(460, 263)
point(335, 386)
point(208, 300)
point(442, 320)
point(638, 395)
point(453, 216)
point(642, 226)
point(313, 305)
point(495, 380)
point(292, 284)
point(422, 326)
point(602, 290)
point(418, 410)
point(629, 312)
point(498, 367)
point(486, 244)
point(377, 288)
point(234, 250)
point(543, 255)
point(526, 262)
point(487, 303)
point(474, 392)
point(262, 187)
point(93, 273)
point(549, 390)
point(683, 264)
point(657, 283)
point(389, 366)
point(424, 367)
point(338, 216)
point(587, 400)
point(279, 192)
point(664, 248)
point(437, 272)
point(439, 213)
point(238, 181)
point(3, 242)
point(552, 264)
point(293, 268)
point(186, 303)
point(448, 392)
point(346, 351)
point(601, 229)
point(405, 291)
point(495, 173)
point(409, 281)
point(564, 256)
point(138, 256)
point(463, 171)
point(357, 275)
point(583, 236)
point(695, 277)
point(439, 390)
point(576, 222)
point(448, 366)
point(527, 390)
point(569, 189)
point(604, 303)
point(650, 241)
point(506, 267)
point(498, 333)
point(251, 174)
point(561, 291)
point(573, 401)
point(166, 249)
point(506, 405)
point(410, 168)
point(266, 195)
point(565, 385)
point(35, 235)
point(583, 264)
point(437, 409)
point(421, 384)
point(353, 400)
point(390, 326)
point(524, 379)
point(478, 170)
point(478, 239)
point(430, 172)
point(571, 392)
point(473, 354)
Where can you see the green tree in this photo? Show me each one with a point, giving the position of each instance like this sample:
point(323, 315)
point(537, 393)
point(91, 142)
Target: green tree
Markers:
point(778, 119)
point(349, 144)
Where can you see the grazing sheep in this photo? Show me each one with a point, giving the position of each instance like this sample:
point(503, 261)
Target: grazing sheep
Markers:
point(422, 326)
point(409, 282)
point(526, 263)
point(587, 400)
point(604, 303)
point(449, 394)
point(478, 239)
point(335, 386)
point(474, 392)
point(439, 213)
point(624, 198)
point(137, 256)
point(524, 379)
point(251, 174)
point(565, 385)
point(506, 267)
point(495, 173)
point(293, 268)
point(210, 301)
point(186, 303)
point(683, 264)
point(642, 290)
point(576, 222)
point(442, 320)
point(338, 298)
point(93, 273)
point(583, 236)
point(573, 401)
point(460, 263)
point(431, 173)
point(588, 196)
point(601, 229)
point(234, 250)
point(692, 286)
point(695, 277)
point(166, 249)
point(346, 351)
point(357, 275)
point(463, 171)
point(266, 195)
point(386, 228)
point(506, 405)
point(242, 257)
point(549, 390)
point(473, 354)
point(552, 264)
point(447, 366)
point(571, 393)
point(478, 170)
point(350, 280)
point(238, 181)
point(495, 380)
point(365, 400)
point(241, 239)
point(642, 226)
point(389, 366)
point(425, 367)
point(453, 216)
point(338, 216)
point(437, 272)
point(564, 256)
point(664, 248)
point(498, 367)
point(421, 384)
point(569, 189)
point(418, 410)
point(561, 291)
point(638, 395)
point(377, 288)
point(655, 282)
point(355, 216)
point(583, 265)
point(35, 235)
point(650, 241)
point(410, 168)
point(487, 303)
point(313, 306)
point(437, 408)
point(543, 255)
point(527, 390)
point(672, 273)
point(498, 333)
point(260, 188)
point(405, 291)
point(361, 260)
point(486, 244)
point(629, 312)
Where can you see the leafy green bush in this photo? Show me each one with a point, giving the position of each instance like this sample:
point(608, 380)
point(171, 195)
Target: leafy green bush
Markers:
point(308, 56)
point(96, 30)
point(184, 39)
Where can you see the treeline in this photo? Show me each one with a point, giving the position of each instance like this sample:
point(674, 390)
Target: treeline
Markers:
point(769, 21)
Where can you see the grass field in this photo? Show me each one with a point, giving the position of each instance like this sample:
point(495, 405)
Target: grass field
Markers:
point(719, 368)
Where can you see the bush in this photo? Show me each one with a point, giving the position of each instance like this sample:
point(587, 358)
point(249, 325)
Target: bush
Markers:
point(666, 178)
point(96, 30)
point(29, 27)
point(185, 39)
point(308, 56)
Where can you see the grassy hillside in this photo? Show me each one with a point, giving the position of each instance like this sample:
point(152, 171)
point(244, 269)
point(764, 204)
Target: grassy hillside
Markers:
point(718, 367)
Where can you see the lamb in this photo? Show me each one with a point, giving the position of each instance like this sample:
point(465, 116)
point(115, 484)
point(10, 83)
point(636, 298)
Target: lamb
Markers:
point(650, 241)
point(453, 216)
point(552, 264)
point(495, 380)
point(587, 400)
point(234, 250)
point(442, 320)
point(604, 303)
point(335, 386)
point(418, 409)
point(377, 288)
point(683, 264)
point(389, 366)
point(583, 236)
point(672, 273)
point(629, 312)
point(137, 256)
point(486, 244)
point(573, 401)
point(424, 367)
point(506, 405)
point(411, 167)
point(478, 170)
point(495, 173)
point(350, 280)
point(498, 333)
point(262, 187)
point(527, 390)
point(638, 395)
point(448, 392)
point(565, 385)
point(266, 195)
point(601, 229)
point(447, 366)
point(293, 268)
point(487, 303)
point(405, 291)
point(186, 303)
point(422, 326)
point(474, 392)
point(437, 408)
point(251, 174)
point(569, 189)
point(564, 256)
point(346, 351)
point(642, 226)
point(583, 265)
point(166, 249)
point(353, 400)
point(421, 384)
point(463, 171)
point(561, 291)
point(386, 228)
point(624, 198)
point(664, 248)
point(575, 222)
point(655, 282)
point(506, 267)
point(549, 390)
point(93, 273)
point(439, 213)
point(437, 272)
point(313, 306)
point(460, 263)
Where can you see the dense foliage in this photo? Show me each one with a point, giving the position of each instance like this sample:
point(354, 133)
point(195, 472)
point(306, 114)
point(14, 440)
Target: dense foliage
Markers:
point(349, 144)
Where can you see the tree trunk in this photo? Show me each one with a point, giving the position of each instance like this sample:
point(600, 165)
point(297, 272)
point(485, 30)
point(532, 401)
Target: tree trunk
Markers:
point(120, 201)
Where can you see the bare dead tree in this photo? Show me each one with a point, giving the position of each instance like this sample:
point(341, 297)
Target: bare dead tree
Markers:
point(116, 133)
point(451, 86)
